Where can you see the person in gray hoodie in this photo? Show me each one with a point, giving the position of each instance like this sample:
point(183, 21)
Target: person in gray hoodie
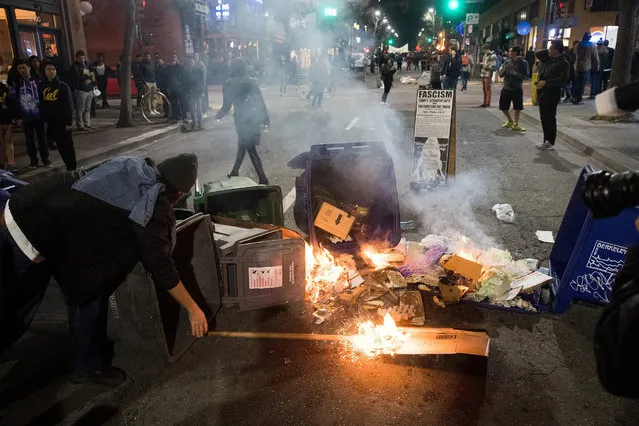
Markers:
point(587, 60)
point(514, 71)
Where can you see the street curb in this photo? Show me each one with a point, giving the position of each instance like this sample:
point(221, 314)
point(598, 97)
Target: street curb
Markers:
point(115, 149)
point(581, 147)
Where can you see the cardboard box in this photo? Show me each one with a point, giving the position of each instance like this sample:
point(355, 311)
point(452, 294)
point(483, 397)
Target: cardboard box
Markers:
point(465, 267)
point(444, 341)
point(334, 221)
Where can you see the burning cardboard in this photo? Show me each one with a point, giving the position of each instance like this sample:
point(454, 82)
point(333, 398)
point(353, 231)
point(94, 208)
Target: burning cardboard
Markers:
point(467, 268)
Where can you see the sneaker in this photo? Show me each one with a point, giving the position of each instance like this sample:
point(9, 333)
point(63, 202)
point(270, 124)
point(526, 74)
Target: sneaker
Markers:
point(516, 127)
point(545, 146)
point(81, 128)
point(108, 376)
point(46, 163)
point(508, 125)
point(33, 164)
point(205, 115)
point(90, 126)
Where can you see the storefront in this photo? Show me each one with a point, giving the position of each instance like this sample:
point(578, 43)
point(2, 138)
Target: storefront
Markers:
point(29, 28)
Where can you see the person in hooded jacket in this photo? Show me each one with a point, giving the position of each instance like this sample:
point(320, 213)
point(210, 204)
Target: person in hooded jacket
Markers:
point(243, 94)
point(26, 112)
point(36, 69)
point(89, 232)
point(175, 88)
point(388, 70)
point(56, 110)
point(553, 75)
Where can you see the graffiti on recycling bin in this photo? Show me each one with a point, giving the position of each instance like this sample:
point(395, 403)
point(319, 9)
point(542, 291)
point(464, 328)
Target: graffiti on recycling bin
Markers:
point(604, 262)
point(431, 151)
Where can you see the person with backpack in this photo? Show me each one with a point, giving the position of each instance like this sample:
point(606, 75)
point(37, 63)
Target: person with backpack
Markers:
point(435, 73)
point(488, 66)
point(466, 63)
point(587, 60)
point(243, 94)
point(451, 69)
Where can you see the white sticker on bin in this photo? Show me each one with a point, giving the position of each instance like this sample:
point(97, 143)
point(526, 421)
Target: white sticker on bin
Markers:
point(269, 277)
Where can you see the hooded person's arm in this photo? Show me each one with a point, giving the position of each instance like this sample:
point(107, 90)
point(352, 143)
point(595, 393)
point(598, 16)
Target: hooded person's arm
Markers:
point(227, 102)
point(68, 100)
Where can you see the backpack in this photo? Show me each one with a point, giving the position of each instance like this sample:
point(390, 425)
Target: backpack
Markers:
point(465, 61)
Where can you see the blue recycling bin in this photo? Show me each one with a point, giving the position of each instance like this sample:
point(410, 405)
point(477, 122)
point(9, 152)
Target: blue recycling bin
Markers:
point(589, 253)
point(8, 185)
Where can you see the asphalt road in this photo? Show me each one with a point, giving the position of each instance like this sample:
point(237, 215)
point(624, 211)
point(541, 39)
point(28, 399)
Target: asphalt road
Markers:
point(540, 369)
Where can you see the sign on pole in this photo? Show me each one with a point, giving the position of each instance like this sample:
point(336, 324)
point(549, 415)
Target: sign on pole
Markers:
point(434, 142)
point(472, 18)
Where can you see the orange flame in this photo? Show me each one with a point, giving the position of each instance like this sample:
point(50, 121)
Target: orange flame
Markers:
point(379, 259)
point(323, 274)
point(373, 340)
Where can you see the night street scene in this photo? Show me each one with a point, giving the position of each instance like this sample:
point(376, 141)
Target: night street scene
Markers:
point(326, 212)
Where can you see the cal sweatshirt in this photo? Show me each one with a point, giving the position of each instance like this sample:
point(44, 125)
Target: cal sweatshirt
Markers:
point(56, 102)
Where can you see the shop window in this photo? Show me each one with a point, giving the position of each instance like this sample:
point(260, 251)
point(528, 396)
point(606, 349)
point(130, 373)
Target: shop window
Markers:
point(6, 49)
point(534, 10)
point(30, 17)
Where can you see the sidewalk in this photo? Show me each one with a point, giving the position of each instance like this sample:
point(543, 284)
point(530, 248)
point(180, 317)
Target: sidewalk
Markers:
point(105, 141)
point(612, 144)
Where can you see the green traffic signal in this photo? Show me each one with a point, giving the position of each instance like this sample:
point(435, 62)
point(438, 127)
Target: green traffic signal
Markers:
point(430, 39)
point(453, 4)
point(391, 41)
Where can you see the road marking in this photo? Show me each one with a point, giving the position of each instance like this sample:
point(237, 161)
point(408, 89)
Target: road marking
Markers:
point(289, 200)
point(352, 123)
point(147, 135)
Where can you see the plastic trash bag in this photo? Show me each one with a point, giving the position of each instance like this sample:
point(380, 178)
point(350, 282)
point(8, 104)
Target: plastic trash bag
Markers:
point(504, 212)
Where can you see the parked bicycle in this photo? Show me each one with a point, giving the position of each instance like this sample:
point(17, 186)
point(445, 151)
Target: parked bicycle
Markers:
point(155, 107)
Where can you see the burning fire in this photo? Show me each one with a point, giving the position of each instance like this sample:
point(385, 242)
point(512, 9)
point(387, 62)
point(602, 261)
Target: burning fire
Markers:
point(379, 259)
point(373, 340)
point(324, 275)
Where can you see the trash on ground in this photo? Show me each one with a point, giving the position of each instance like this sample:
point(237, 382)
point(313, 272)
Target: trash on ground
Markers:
point(408, 80)
point(504, 212)
point(545, 237)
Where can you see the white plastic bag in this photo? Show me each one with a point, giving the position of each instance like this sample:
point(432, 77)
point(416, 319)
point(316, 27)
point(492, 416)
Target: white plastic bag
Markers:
point(504, 212)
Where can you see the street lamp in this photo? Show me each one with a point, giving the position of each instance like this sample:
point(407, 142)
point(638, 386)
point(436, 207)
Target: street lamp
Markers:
point(431, 10)
point(378, 13)
point(389, 28)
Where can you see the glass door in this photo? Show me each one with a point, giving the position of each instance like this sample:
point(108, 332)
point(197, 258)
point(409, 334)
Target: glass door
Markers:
point(49, 40)
point(28, 42)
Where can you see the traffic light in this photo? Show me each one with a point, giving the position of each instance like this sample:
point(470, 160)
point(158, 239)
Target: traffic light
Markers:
point(330, 12)
point(391, 41)
point(561, 9)
point(430, 39)
point(453, 4)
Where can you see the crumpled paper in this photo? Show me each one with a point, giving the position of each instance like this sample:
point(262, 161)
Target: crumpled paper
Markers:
point(504, 212)
point(435, 240)
point(495, 258)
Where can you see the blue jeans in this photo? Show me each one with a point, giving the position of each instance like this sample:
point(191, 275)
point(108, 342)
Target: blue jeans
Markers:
point(595, 83)
point(450, 83)
point(89, 346)
point(464, 79)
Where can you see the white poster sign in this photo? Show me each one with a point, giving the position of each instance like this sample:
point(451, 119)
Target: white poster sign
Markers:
point(431, 151)
point(269, 277)
point(472, 18)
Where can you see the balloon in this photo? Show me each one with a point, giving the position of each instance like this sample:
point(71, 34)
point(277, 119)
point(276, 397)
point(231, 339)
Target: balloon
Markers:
point(82, 13)
point(86, 7)
point(523, 28)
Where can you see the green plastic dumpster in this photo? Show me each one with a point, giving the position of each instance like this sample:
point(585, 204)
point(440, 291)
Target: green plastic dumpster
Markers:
point(243, 199)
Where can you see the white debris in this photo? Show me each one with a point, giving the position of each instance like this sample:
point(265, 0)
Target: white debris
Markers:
point(408, 80)
point(504, 212)
point(435, 240)
point(545, 237)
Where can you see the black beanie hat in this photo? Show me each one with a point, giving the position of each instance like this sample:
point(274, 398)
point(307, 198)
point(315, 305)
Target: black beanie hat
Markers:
point(180, 172)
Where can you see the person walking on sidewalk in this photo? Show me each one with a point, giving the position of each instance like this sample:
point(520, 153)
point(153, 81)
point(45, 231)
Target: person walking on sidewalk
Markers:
point(7, 152)
point(607, 71)
point(56, 109)
point(388, 71)
point(83, 82)
point(27, 114)
point(319, 80)
point(587, 60)
point(514, 71)
point(488, 66)
point(553, 74)
point(138, 81)
point(530, 58)
point(204, 98)
point(466, 64)
point(194, 88)
point(102, 78)
point(598, 74)
point(174, 88)
point(571, 58)
point(243, 94)
point(89, 233)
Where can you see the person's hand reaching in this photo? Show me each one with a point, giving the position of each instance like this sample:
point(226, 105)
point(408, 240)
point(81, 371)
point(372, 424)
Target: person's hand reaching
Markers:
point(199, 323)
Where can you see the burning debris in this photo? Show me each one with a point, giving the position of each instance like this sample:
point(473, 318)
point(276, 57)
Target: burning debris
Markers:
point(373, 340)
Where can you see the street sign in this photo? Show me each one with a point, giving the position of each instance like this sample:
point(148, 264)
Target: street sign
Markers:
point(470, 29)
point(200, 8)
point(472, 18)
point(467, 41)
